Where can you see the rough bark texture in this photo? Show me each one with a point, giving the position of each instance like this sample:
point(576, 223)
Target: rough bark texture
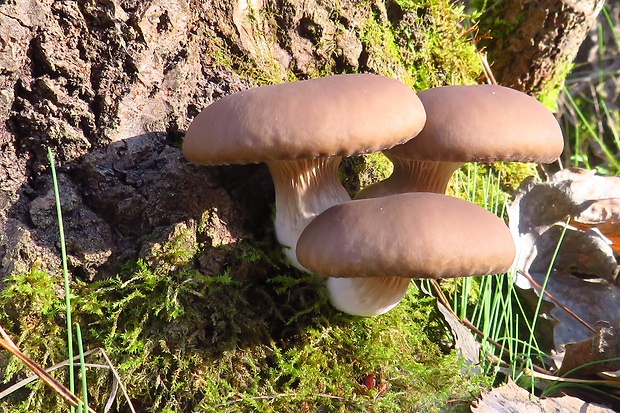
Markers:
point(111, 86)
point(534, 41)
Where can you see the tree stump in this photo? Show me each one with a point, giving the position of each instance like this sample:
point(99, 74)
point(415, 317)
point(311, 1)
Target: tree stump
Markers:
point(532, 43)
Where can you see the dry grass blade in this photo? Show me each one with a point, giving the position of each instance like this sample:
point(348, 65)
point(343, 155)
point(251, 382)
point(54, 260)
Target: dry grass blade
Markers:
point(116, 380)
point(33, 377)
point(538, 375)
point(62, 391)
point(486, 67)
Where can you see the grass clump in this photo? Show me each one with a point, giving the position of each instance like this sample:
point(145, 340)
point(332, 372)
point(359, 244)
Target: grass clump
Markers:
point(33, 313)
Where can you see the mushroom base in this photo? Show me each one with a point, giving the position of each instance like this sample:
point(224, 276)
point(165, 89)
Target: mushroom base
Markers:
point(366, 296)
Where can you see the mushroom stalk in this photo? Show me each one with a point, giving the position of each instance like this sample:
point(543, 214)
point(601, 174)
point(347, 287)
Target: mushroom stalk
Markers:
point(367, 296)
point(412, 176)
point(304, 188)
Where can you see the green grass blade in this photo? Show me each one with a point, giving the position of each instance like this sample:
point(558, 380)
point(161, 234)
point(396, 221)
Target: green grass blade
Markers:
point(65, 271)
point(611, 157)
point(544, 286)
point(612, 27)
point(78, 333)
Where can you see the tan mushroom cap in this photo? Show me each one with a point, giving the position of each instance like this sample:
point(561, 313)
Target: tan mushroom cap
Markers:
point(483, 123)
point(335, 115)
point(410, 235)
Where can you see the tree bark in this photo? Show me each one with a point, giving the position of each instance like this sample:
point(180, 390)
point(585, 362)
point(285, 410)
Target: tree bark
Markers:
point(110, 86)
point(531, 43)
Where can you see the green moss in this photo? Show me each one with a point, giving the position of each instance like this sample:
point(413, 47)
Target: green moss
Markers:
point(490, 185)
point(494, 28)
point(426, 46)
point(357, 172)
point(260, 69)
point(512, 174)
point(382, 51)
point(183, 341)
point(376, 167)
point(420, 42)
point(553, 87)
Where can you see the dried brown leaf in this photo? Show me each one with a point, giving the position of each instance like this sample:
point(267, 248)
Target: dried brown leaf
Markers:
point(585, 268)
point(512, 398)
point(594, 355)
point(464, 341)
point(604, 215)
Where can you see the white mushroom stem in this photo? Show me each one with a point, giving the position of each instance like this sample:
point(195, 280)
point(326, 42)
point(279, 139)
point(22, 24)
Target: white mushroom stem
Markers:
point(367, 296)
point(304, 189)
point(412, 176)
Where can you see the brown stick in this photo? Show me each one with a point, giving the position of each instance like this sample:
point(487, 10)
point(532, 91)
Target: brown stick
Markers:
point(556, 302)
point(62, 391)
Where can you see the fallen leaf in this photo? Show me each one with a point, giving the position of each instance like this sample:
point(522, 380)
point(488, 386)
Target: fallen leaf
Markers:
point(604, 215)
point(585, 268)
point(536, 218)
point(586, 185)
point(464, 340)
point(595, 354)
point(512, 398)
point(591, 300)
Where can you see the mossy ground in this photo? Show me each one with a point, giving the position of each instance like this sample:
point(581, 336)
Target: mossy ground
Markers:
point(184, 341)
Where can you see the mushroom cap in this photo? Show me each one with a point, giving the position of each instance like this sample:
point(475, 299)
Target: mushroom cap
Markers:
point(335, 115)
point(483, 123)
point(412, 235)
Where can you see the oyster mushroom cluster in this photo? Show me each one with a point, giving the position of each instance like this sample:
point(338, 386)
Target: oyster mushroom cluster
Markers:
point(401, 228)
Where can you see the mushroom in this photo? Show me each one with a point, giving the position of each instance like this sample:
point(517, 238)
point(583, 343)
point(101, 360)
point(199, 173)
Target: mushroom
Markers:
point(302, 130)
point(411, 235)
point(475, 123)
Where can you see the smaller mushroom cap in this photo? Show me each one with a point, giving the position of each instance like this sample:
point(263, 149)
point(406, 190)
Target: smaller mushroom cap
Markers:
point(411, 235)
point(483, 123)
point(335, 115)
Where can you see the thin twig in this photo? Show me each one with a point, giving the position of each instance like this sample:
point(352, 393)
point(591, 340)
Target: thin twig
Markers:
point(33, 377)
point(556, 302)
point(473, 328)
point(62, 391)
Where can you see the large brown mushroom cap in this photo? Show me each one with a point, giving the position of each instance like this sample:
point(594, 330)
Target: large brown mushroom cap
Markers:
point(411, 235)
point(483, 123)
point(335, 115)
